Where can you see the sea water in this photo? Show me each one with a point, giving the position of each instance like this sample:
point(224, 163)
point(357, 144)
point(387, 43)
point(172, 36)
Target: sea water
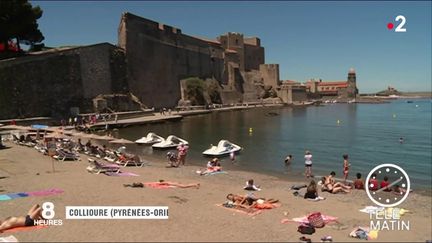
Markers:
point(369, 133)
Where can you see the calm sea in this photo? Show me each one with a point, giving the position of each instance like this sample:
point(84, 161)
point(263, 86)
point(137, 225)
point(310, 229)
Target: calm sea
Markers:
point(369, 133)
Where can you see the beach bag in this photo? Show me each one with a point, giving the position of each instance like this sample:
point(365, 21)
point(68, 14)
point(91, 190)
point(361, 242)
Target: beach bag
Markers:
point(316, 220)
point(306, 229)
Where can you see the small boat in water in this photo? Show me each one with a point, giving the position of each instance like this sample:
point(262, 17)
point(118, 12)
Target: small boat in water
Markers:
point(224, 147)
point(150, 139)
point(410, 101)
point(170, 142)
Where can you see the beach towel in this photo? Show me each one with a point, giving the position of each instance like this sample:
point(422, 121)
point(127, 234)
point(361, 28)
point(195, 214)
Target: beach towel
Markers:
point(250, 211)
point(11, 196)
point(48, 192)
point(25, 228)
point(216, 172)
point(304, 220)
point(121, 173)
point(9, 238)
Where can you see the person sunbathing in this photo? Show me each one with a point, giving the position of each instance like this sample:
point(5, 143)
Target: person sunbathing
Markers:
point(165, 183)
point(329, 185)
point(250, 201)
point(12, 222)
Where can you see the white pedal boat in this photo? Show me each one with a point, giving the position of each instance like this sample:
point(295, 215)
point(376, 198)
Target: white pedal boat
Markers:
point(150, 139)
point(224, 147)
point(170, 142)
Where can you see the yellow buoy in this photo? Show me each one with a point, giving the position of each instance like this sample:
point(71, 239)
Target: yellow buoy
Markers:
point(250, 129)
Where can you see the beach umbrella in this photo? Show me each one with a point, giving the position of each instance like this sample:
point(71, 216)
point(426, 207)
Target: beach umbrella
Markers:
point(121, 141)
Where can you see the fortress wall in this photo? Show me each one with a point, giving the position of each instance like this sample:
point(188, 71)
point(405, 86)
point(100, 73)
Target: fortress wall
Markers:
point(161, 57)
point(50, 83)
point(270, 74)
point(95, 70)
point(40, 86)
point(254, 57)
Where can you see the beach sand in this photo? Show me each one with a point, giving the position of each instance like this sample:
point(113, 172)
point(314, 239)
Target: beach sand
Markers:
point(193, 215)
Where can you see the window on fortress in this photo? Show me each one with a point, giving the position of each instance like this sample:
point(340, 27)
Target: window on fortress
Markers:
point(236, 41)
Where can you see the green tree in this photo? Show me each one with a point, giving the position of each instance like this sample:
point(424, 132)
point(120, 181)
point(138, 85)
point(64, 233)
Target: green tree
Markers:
point(195, 90)
point(18, 20)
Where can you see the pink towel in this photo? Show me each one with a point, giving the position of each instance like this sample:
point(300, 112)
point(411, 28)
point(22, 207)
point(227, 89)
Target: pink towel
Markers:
point(46, 192)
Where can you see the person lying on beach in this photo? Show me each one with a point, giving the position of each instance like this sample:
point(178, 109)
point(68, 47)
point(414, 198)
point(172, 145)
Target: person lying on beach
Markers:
point(12, 222)
point(329, 185)
point(312, 192)
point(250, 186)
point(165, 183)
point(250, 201)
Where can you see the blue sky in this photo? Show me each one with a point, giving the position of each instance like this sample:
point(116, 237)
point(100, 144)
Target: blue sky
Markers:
point(307, 39)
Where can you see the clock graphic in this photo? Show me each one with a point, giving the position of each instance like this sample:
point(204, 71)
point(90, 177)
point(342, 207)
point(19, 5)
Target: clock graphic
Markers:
point(397, 181)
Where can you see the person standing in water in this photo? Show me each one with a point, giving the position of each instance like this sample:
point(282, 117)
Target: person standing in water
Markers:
point(288, 159)
point(346, 166)
point(232, 157)
point(308, 164)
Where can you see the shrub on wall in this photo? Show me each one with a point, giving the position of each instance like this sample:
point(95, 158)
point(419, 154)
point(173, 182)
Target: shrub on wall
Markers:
point(195, 91)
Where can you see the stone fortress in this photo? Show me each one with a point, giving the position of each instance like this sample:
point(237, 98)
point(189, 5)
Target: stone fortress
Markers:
point(147, 68)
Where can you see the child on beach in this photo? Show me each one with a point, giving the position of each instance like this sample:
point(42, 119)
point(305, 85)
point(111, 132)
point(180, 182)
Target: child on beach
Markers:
point(308, 164)
point(373, 183)
point(385, 184)
point(250, 186)
point(358, 183)
point(346, 166)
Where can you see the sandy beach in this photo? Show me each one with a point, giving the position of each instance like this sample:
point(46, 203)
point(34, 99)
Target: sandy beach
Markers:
point(193, 214)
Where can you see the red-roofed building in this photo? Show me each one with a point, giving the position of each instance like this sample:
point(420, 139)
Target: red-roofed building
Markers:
point(346, 89)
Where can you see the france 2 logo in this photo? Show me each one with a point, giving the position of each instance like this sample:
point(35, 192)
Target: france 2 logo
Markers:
point(400, 27)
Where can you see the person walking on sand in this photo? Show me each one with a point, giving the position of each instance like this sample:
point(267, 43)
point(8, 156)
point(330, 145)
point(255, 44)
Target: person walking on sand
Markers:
point(346, 166)
point(182, 152)
point(308, 164)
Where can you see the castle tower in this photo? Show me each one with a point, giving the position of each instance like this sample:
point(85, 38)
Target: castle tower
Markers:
point(352, 90)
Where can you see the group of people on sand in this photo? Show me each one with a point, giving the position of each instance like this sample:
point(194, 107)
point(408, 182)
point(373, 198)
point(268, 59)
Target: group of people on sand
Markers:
point(249, 201)
point(308, 164)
